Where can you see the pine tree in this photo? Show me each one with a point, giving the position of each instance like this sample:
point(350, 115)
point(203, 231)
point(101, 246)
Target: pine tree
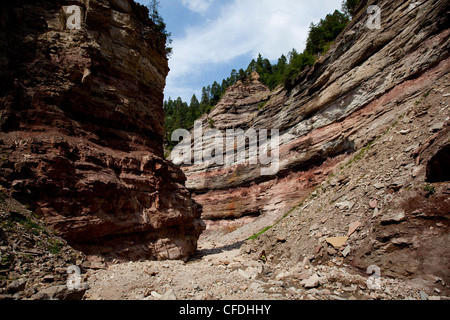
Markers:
point(205, 96)
point(225, 85)
point(233, 77)
point(349, 7)
point(160, 25)
point(242, 75)
point(251, 67)
point(216, 92)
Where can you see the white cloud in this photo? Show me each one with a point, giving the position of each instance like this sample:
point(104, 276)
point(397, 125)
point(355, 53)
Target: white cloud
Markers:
point(199, 6)
point(244, 27)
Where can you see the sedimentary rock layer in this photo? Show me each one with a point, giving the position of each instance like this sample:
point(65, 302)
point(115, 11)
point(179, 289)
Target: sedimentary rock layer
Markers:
point(330, 109)
point(82, 128)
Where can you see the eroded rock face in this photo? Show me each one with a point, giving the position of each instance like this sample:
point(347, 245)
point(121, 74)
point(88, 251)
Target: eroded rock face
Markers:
point(350, 96)
point(82, 128)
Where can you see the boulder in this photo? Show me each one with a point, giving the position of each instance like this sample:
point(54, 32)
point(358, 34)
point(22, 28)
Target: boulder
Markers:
point(337, 242)
point(312, 282)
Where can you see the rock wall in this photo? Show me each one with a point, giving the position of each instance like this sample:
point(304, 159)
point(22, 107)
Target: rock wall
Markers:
point(82, 128)
point(379, 207)
point(331, 110)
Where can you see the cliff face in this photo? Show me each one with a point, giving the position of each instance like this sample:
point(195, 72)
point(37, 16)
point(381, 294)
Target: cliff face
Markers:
point(353, 94)
point(82, 128)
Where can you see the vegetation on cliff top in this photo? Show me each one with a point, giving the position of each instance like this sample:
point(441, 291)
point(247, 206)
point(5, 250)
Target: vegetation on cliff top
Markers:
point(159, 25)
point(180, 114)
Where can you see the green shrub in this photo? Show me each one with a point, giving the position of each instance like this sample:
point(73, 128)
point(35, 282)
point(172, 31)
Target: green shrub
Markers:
point(255, 236)
point(55, 246)
point(430, 189)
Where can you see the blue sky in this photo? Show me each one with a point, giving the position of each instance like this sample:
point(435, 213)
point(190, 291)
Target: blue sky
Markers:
point(212, 37)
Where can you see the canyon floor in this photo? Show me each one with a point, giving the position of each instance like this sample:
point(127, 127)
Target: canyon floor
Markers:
point(358, 200)
point(230, 274)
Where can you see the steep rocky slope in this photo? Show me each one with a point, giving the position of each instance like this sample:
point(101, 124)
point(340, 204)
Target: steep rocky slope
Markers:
point(82, 128)
point(34, 261)
point(379, 207)
point(337, 107)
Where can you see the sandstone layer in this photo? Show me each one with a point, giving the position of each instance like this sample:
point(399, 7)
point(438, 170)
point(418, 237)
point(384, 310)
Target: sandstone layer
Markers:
point(82, 128)
point(379, 202)
point(339, 106)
